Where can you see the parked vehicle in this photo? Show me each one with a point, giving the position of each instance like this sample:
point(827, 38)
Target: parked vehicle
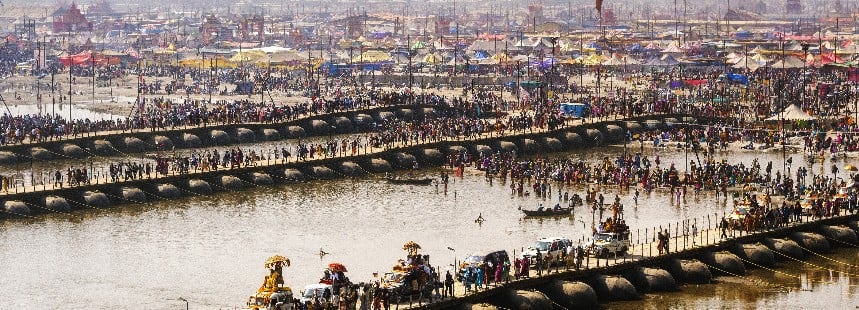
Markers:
point(608, 243)
point(546, 246)
point(414, 282)
point(410, 276)
point(490, 260)
point(316, 291)
point(577, 110)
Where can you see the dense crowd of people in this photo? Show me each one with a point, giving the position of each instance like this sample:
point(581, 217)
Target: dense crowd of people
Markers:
point(162, 113)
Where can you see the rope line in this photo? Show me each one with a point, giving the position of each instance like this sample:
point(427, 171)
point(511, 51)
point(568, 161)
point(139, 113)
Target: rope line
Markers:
point(288, 179)
point(815, 265)
point(251, 183)
point(193, 193)
point(224, 188)
point(154, 194)
point(86, 205)
point(824, 257)
point(557, 305)
point(753, 280)
point(767, 268)
point(120, 152)
point(131, 200)
point(19, 214)
point(843, 242)
point(49, 209)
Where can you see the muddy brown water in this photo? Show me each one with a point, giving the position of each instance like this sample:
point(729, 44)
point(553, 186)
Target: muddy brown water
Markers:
point(210, 250)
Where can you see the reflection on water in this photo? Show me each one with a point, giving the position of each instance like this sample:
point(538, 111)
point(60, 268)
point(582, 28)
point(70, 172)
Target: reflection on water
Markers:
point(210, 250)
point(800, 286)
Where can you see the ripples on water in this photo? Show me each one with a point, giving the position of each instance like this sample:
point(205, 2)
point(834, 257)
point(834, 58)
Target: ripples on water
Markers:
point(210, 250)
point(817, 288)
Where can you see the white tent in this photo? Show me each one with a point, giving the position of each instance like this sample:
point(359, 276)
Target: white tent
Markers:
point(672, 49)
point(742, 64)
point(789, 62)
point(272, 49)
point(792, 113)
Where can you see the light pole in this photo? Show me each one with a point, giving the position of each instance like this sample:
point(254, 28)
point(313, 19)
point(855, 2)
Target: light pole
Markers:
point(783, 106)
point(455, 271)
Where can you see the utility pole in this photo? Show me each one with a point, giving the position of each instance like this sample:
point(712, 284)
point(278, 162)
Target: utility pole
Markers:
point(92, 68)
point(685, 23)
point(71, 65)
point(53, 98)
point(455, 48)
point(409, 55)
point(676, 24)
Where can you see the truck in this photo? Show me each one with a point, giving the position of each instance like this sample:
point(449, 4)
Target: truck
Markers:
point(608, 243)
point(575, 109)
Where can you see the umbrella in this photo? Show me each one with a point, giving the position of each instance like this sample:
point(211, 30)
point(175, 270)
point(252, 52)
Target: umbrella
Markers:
point(337, 267)
point(274, 261)
point(851, 168)
point(411, 247)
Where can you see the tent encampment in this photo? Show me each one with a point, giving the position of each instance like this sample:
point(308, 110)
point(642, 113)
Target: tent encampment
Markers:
point(792, 113)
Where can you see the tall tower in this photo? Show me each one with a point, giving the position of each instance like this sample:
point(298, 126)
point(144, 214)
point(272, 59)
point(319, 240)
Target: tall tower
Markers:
point(535, 14)
point(792, 7)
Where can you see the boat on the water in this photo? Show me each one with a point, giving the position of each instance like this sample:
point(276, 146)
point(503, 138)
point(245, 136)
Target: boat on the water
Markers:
point(558, 211)
point(411, 181)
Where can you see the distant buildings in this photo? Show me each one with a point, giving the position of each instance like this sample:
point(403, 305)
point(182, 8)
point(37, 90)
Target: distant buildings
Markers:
point(252, 29)
point(792, 7)
point(212, 30)
point(101, 8)
point(71, 20)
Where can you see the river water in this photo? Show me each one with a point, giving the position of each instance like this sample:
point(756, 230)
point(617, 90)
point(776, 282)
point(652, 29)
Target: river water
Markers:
point(210, 250)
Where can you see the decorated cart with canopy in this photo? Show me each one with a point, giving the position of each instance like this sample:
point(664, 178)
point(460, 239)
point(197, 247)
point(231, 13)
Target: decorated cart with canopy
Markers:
point(273, 294)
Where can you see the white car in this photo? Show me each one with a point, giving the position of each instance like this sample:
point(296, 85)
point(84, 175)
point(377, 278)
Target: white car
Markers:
point(605, 244)
point(554, 246)
point(314, 291)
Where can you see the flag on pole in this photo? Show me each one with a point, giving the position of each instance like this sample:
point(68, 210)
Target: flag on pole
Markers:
point(599, 7)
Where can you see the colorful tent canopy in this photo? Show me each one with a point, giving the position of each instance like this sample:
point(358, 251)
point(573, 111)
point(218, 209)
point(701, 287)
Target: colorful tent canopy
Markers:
point(89, 58)
point(248, 56)
point(372, 56)
point(501, 57)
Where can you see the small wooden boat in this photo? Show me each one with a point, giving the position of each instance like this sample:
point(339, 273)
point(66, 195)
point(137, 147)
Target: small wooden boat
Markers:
point(548, 212)
point(411, 181)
